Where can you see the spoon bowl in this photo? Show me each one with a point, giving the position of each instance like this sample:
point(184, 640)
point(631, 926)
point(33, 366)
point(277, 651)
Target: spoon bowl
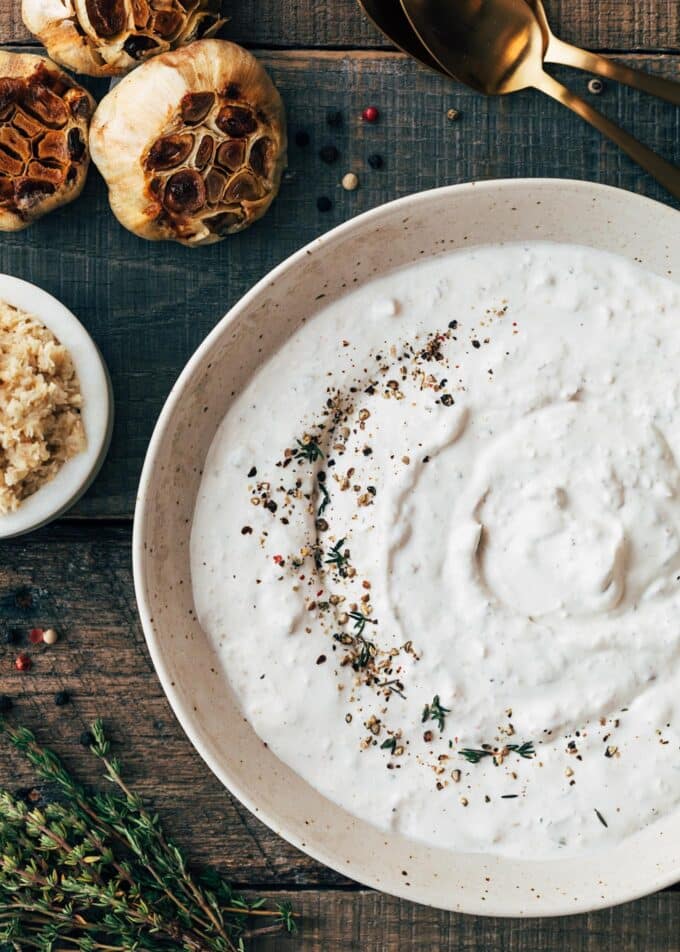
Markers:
point(390, 19)
point(494, 46)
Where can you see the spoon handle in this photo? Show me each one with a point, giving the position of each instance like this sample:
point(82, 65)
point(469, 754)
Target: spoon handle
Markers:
point(560, 52)
point(664, 172)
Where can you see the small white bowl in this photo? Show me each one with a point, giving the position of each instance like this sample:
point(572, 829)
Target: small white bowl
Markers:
point(76, 475)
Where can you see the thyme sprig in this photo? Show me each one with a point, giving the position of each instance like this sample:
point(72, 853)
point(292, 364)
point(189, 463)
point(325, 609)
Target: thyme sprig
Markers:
point(337, 557)
point(360, 621)
point(474, 755)
point(325, 497)
point(309, 450)
point(95, 871)
point(434, 711)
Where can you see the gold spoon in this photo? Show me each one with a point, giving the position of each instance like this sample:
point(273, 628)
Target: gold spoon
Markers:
point(557, 51)
point(389, 17)
point(496, 47)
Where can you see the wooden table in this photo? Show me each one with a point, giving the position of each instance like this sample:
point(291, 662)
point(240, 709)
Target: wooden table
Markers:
point(149, 305)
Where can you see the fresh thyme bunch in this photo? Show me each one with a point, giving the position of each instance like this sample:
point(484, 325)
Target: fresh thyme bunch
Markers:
point(94, 871)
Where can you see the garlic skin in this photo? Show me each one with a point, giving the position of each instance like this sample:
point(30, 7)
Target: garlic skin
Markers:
point(111, 37)
point(44, 122)
point(192, 144)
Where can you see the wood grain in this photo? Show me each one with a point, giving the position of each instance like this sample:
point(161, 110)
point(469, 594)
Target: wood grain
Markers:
point(646, 25)
point(149, 305)
point(335, 921)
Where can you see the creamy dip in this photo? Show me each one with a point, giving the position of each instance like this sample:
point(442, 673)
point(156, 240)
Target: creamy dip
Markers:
point(437, 542)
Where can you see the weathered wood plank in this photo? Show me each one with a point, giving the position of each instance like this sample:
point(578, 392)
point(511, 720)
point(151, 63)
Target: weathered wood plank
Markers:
point(84, 590)
point(149, 305)
point(335, 921)
point(607, 24)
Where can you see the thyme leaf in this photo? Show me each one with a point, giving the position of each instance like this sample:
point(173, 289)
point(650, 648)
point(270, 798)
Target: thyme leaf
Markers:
point(435, 712)
point(474, 755)
point(325, 497)
point(337, 557)
point(360, 621)
point(310, 450)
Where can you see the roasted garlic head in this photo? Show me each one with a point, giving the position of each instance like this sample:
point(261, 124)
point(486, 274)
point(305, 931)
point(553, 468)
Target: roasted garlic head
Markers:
point(192, 144)
point(44, 156)
point(109, 37)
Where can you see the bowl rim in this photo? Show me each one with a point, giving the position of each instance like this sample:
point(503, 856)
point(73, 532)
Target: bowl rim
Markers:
point(182, 709)
point(95, 383)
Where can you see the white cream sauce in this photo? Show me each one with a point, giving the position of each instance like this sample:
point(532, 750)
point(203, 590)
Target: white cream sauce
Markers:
point(514, 506)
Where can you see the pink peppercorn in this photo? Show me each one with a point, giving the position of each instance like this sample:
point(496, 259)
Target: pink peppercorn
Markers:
point(370, 114)
point(35, 636)
point(23, 662)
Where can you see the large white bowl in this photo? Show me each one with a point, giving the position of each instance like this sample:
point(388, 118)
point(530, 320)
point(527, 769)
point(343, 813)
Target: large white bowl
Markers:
point(422, 225)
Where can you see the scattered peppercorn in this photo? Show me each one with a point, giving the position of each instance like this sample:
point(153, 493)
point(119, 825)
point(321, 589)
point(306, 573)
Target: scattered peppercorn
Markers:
point(35, 636)
point(12, 636)
point(452, 114)
point(323, 203)
point(247, 530)
point(370, 114)
point(476, 344)
point(595, 86)
point(376, 161)
point(328, 154)
point(50, 637)
point(6, 704)
point(334, 118)
point(23, 662)
point(350, 181)
point(24, 599)
point(61, 698)
point(321, 659)
point(447, 399)
point(252, 472)
point(86, 739)
point(302, 138)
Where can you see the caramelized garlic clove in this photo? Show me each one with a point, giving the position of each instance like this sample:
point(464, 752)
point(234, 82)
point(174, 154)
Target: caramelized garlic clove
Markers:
point(44, 120)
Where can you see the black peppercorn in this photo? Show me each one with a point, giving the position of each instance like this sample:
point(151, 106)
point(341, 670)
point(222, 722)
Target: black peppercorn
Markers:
point(334, 118)
point(323, 203)
point(12, 636)
point(329, 154)
point(6, 704)
point(302, 138)
point(87, 739)
point(61, 698)
point(376, 161)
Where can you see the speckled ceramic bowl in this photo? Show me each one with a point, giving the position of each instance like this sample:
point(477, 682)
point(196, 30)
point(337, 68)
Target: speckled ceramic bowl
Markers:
point(397, 234)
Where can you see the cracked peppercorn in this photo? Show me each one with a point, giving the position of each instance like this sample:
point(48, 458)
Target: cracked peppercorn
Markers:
point(329, 154)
